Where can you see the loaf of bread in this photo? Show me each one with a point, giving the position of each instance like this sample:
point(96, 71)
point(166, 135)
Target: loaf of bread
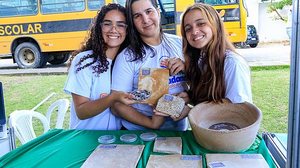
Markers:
point(171, 105)
point(155, 81)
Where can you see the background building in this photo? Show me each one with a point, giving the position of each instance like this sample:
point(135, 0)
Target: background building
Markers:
point(268, 27)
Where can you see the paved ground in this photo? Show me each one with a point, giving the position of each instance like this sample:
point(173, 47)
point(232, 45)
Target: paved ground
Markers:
point(7, 67)
point(262, 55)
point(267, 54)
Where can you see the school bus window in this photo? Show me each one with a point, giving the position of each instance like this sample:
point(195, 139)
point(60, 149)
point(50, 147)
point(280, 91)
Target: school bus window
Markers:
point(121, 2)
point(95, 4)
point(6, 11)
point(167, 8)
point(5, 3)
point(18, 8)
point(168, 5)
point(53, 6)
point(218, 2)
point(232, 15)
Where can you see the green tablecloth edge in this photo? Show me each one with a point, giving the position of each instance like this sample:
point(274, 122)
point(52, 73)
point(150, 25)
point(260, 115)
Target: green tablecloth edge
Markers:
point(258, 147)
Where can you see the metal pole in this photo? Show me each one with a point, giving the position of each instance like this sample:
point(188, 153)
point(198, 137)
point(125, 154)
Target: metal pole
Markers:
point(294, 99)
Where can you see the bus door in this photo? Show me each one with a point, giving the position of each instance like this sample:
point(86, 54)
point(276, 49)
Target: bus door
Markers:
point(234, 16)
point(171, 11)
point(167, 12)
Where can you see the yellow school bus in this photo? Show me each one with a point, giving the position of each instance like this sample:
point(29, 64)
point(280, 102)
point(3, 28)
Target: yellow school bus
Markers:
point(35, 32)
point(232, 12)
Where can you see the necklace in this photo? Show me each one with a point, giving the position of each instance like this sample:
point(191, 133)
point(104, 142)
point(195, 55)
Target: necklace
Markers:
point(201, 60)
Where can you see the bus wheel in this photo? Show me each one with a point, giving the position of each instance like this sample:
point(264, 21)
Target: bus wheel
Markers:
point(59, 58)
point(27, 55)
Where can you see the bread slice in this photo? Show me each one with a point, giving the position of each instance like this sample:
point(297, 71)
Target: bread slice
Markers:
point(155, 81)
point(171, 105)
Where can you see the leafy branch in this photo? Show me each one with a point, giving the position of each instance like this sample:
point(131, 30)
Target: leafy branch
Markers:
point(275, 6)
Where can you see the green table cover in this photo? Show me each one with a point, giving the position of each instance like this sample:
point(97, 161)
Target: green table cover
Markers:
point(70, 148)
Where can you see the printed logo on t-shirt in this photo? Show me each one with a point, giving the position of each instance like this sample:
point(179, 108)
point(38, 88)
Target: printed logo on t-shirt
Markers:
point(176, 83)
point(164, 61)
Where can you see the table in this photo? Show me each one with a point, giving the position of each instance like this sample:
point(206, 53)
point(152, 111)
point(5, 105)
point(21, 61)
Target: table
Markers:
point(4, 146)
point(70, 148)
point(277, 145)
point(7, 143)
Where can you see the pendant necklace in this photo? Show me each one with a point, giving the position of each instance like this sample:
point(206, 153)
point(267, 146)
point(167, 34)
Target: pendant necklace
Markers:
point(201, 60)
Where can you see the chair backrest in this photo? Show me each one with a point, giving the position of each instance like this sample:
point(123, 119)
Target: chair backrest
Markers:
point(62, 106)
point(21, 121)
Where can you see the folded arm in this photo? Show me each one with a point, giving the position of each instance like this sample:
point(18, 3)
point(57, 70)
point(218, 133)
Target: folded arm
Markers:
point(132, 115)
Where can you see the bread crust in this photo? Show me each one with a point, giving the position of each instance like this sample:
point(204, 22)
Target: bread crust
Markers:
point(154, 80)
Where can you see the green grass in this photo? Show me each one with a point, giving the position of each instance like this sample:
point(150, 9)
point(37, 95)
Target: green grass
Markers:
point(25, 92)
point(270, 87)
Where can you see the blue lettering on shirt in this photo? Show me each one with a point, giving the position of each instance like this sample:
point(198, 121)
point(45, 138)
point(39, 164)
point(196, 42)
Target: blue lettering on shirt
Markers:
point(176, 79)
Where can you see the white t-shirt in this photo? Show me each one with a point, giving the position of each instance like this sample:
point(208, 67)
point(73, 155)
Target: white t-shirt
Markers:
point(126, 73)
point(87, 84)
point(237, 78)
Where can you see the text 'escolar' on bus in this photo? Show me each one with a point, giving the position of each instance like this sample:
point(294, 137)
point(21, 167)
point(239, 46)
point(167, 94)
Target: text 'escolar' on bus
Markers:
point(35, 32)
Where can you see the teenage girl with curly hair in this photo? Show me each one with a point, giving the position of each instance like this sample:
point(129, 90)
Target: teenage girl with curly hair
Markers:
point(89, 78)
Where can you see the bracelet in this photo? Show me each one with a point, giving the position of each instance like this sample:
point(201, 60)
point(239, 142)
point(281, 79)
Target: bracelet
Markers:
point(189, 105)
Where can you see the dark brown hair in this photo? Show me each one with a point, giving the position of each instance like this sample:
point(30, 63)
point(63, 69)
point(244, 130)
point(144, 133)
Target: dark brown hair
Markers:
point(137, 46)
point(95, 42)
point(206, 80)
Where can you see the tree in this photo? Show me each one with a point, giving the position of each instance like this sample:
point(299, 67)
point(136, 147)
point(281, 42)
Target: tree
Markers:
point(278, 5)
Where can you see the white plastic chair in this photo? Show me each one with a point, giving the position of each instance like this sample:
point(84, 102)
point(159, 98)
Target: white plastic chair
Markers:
point(21, 121)
point(62, 106)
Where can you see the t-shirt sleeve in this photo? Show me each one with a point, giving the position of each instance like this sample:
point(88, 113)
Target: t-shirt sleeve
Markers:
point(122, 74)
point(237, 80)
point(78, 82)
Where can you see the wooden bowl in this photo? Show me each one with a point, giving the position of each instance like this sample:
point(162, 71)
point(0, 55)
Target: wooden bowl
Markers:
point(225, 127)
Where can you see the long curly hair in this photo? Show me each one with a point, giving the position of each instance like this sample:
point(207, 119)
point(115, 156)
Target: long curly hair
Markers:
point(95, 42)
point(206, 81)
